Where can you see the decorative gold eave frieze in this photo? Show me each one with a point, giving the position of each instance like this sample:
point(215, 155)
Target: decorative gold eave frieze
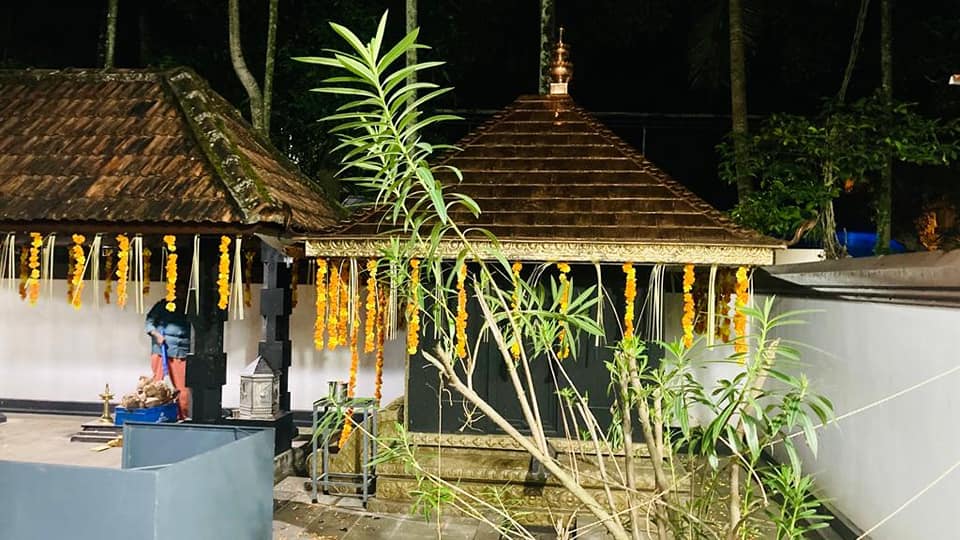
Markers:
point(584, 252)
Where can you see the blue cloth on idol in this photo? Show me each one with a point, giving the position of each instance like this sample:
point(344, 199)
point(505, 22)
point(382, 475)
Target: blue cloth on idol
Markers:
point(175, 327)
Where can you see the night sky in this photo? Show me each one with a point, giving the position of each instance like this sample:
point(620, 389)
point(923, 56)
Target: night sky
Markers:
point(655, 71)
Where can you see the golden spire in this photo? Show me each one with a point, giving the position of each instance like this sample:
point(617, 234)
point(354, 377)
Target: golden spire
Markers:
point(561, 68)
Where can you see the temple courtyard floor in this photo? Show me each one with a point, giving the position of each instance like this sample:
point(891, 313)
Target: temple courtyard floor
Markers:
point(46, 439)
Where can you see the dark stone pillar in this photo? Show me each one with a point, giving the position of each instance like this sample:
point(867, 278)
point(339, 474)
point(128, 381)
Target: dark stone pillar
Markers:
point(207, 367)
point(276, 301)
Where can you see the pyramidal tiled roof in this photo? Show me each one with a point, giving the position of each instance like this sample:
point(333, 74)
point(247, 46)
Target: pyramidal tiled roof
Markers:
point(551, 179)
point(141, 149)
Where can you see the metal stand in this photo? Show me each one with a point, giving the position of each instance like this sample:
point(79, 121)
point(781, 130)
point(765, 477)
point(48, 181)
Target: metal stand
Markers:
point(361, 482)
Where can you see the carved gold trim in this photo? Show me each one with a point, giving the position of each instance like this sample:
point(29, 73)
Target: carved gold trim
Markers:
point(585, 252)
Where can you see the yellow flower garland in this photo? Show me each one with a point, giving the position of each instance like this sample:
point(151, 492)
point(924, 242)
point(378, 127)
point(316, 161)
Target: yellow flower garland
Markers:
point(108, 274)
point(123, 265)
point(461, 320)
point(369, 335)
point(79, 260)
point(146, 270)
point(515, 304)
point(688, 306)
point(223, 274)
point(740, 318)
point(319, 324)
point(332, 320)
point(70, 270)
point(629, 297)
point(33, 282)
point(413, 308)
point(171, 296)
point(354, 364)
point(564, 304)
point(378, 372)
point(247, 277)
point(24, 271)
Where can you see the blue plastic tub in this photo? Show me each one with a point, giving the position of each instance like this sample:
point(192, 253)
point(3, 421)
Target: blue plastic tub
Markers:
point(153, 415)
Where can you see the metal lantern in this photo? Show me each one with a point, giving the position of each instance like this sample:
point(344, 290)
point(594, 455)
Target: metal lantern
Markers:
point(259, 391)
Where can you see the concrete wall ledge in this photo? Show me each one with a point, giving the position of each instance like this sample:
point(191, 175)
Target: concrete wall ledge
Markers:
point(930, 279)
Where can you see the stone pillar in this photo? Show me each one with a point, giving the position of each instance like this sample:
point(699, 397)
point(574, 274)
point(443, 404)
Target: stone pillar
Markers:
point(207, 367)
point(276, 304)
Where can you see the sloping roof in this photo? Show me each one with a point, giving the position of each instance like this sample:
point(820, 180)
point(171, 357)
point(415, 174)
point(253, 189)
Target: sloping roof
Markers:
point(134, 148)
point(551, 180)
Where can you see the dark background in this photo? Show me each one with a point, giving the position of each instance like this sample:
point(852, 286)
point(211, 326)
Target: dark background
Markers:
point(655, 71)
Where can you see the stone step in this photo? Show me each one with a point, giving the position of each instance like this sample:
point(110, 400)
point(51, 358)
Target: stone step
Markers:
point(96, 432)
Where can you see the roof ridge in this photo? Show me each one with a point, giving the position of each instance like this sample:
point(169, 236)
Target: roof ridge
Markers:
point(670, 183)
point(245, 187)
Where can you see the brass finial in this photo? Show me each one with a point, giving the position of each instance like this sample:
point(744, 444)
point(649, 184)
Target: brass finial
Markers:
point(106, 396)
point(561, 68)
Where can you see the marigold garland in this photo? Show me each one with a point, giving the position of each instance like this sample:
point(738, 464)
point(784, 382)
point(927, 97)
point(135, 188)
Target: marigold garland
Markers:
point(688, 306)
point(342, 335)
point(629, 297)
point(354, 364)
point(515, 304)
point(740, 318)
point(321, 285)
point(71, 265)
point(378, 372)
point(247, 277)
point(146, 270)
point(33, 282)
point(24, 271)
point(564, 304)
point(461, 320)
point(171, 296)
point(413, 308)
point(333, 319)
point(123, 266)
point(223, 274)
point(369, 335)
point(108, 274)
point(79, 262)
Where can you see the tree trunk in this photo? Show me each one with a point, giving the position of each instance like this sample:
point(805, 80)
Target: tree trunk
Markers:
point(240, 67)
point(854, 50)
point(547, 12)
point(411, 52)
point(268, 67)
point(111, 33)
point(738, 97)
point(885, 189)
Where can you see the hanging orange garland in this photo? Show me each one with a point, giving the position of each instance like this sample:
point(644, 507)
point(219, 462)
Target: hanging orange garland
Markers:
point(342, 335)
point(108, 274)
point(688, 306)
point(123, 265)
point(71, 264)
point(378, 373)
point(369, 335)
point(564, 305)
point(740, 318)
point(146, 270)
point(33, 283)
point(629, 297)
point(247, 277)
point(461, 320)
point(223, 274)
point(79, 263)
point(413, 308)
point(332, 320)
point(515, 304)
point(320, 322)
point(171, 296)
point(24, 271)
point(354, 364)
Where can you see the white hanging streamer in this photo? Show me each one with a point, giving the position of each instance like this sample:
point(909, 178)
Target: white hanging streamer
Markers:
point(193, 283)
point(46, 269)
point(596, 341)
point(94, 259)
point(235, 302)
point(138, 273)
point(712, 306)
point(352, 285)
point(7, 266)
point(655, 295)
